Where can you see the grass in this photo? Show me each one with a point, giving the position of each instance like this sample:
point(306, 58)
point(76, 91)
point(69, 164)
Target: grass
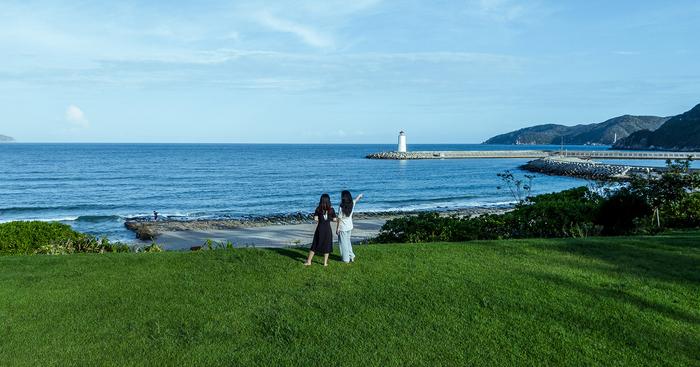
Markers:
point(597, 301)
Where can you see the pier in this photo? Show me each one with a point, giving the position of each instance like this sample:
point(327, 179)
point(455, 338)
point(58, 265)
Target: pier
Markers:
point(535, 154)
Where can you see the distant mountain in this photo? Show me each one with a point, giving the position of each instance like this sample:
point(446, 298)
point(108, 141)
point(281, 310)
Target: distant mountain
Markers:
point(5, 139)
point(600, 133)
point(681, 133)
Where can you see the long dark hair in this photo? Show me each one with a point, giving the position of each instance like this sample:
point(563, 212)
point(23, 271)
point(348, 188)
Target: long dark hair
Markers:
point(346, 203)
point(324, 205)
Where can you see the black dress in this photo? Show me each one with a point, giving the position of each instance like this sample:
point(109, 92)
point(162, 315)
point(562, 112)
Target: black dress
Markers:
point(323, 237)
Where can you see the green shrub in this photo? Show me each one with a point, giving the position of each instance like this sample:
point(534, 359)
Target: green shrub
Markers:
point(51, 238)
point(569, 213)
point(562, 214)
point(423, 227)
point(483, 227)
point(26, 237)
point(154, 247)
point(668, 193)
point(87, 244)
point(622, 212)
point(684, 213)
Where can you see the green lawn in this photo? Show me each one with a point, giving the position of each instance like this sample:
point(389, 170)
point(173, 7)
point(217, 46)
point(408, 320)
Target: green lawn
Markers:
point(598, 301)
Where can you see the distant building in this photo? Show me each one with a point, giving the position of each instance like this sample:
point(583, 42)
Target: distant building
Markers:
point(402, 142)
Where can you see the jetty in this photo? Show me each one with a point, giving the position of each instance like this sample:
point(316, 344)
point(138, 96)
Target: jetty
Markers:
point(534, 154)
point(561, 162)
point(585, 168)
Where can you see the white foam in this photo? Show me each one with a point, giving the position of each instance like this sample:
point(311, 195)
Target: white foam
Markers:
point(60, 219)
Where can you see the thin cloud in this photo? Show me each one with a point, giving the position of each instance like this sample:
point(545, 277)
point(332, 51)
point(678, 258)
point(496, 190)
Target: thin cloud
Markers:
point(230, 67)
point(76, 117)
point(305, 33)
point(626, 53)
point(508, 11)
point(334, 8)
point(501, 10)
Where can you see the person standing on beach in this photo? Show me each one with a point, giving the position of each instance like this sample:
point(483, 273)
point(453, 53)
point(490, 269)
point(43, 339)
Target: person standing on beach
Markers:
point(323, 237)
point(344, 227)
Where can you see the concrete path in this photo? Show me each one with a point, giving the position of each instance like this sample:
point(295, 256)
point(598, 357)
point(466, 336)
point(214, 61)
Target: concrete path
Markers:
point(269, 236)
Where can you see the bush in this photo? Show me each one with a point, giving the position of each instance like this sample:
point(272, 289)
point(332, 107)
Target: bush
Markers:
point(622, 212)
point(85, 245)
point(154, 247)
point(26, 237)
point(684, 213)
point(669, 192)
point(424, 227)
point(51, 238)
point(569, 213)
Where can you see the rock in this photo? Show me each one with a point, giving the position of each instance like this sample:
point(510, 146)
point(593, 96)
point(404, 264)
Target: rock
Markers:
point(144, 232)
point(575, 167)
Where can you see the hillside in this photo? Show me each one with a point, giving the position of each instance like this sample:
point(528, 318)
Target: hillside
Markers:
point(681, 133)
point(597, 133)
point(630, 301)
point(4, 139)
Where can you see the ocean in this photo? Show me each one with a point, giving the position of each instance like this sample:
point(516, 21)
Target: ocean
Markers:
point(96, 187)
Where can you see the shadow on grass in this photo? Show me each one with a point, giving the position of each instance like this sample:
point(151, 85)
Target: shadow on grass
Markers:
point(618, 293)
point(294, 254)
point(301, 254)
point(674, 259)
point(626, 330)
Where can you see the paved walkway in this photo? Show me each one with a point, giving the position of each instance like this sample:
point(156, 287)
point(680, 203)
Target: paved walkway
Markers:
point(269, 236)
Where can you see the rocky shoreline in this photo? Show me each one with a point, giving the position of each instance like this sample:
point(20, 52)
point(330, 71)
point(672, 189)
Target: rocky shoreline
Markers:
point(149, 230)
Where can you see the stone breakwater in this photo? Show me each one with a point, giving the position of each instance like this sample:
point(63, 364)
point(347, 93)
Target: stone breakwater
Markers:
point(148, 230)
point(581, 168)
point(533, 154)
point(459, 154)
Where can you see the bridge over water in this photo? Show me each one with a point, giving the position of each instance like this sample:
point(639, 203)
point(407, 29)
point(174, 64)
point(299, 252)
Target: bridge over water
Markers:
point(535, 154)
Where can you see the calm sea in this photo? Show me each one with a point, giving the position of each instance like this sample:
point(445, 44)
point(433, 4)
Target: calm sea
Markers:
point(94, 187)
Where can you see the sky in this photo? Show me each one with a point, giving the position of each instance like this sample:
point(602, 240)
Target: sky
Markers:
point(337, 71)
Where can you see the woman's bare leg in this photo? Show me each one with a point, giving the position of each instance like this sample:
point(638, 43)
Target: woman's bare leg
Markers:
point(325, 259)
point(308, 259)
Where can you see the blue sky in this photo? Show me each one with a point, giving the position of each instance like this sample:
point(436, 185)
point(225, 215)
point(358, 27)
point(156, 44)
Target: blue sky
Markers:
point(337, 71)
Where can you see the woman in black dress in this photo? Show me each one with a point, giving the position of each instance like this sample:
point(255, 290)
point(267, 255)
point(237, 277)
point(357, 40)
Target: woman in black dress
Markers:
point(323, 237)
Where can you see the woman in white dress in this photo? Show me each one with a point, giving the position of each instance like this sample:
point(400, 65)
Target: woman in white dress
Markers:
point(344, 227)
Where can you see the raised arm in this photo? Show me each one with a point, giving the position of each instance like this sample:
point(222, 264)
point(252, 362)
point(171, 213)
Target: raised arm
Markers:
point(358, 198)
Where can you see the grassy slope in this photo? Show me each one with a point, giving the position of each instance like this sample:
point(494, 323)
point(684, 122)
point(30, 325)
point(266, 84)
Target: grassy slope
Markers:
point(623, 301)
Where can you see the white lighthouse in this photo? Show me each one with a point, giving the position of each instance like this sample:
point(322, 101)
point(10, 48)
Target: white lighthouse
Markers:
point(402, 143)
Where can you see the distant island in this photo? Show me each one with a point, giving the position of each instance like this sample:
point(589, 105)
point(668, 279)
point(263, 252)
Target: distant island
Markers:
point(679, 133)
point(603, 133)
point(6, 139)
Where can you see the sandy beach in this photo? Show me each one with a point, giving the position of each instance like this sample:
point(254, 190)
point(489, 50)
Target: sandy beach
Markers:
point(262, 236)
point(271, 231)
